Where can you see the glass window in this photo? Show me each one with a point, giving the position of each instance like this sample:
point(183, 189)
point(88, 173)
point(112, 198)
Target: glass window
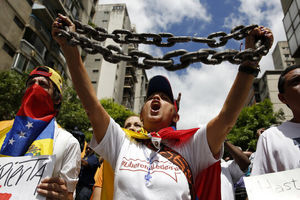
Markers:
point(289, 33)
point(298, 2)
point(68, 3)
point(287, 21)
point(75, 12)
point(30, 67)
point(293, 10)
point(30, 2)
point(18, 22)
point(8, 50)
point(20, 62)
point(293, 44)
point(296, 21)
point(297, 32)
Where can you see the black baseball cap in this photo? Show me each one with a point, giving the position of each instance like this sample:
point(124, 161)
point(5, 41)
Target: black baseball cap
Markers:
point(160, 84)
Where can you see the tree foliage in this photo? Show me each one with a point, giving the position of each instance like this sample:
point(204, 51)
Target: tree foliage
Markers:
point(118, 112)
point(250, 120)
point(12, 88)
point(72, 114)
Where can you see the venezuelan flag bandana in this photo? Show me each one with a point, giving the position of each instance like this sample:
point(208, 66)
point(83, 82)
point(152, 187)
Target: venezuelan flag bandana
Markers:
point(32, 132)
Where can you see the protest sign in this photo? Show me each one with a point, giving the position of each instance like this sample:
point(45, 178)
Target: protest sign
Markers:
point(275, 186)
point(19, 176)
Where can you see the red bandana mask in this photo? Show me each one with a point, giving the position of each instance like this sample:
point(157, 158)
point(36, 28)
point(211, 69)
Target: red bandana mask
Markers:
point(37, 104)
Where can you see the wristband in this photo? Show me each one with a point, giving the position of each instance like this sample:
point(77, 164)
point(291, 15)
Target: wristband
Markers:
point(245, 67)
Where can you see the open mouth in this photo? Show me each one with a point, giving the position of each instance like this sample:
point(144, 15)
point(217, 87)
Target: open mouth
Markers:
point(155, 106)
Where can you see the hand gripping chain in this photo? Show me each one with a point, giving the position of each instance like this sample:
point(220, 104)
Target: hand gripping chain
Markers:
point(89, 39)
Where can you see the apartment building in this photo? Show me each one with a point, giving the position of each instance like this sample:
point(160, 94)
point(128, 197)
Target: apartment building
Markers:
point(122, 82)
point(25, 33)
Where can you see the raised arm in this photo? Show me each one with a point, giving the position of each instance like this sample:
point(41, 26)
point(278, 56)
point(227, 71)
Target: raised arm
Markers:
point(238, 156)
point(220, 126)
point(98, 116)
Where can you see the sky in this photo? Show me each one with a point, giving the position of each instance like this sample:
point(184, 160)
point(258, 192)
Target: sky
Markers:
point(203, 87)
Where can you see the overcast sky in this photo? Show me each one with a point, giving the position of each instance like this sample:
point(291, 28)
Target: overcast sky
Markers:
point(203, 87)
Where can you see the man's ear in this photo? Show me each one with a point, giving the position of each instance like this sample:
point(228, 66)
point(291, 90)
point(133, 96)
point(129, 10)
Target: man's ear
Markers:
point(282, 98)
point(176, 117)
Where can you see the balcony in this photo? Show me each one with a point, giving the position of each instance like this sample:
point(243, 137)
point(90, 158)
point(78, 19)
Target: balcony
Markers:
point(30, 51)
point(40, 27)
point(44, 14)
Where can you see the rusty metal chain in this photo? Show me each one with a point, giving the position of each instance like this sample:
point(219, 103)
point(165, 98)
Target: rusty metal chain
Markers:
point(89, 39)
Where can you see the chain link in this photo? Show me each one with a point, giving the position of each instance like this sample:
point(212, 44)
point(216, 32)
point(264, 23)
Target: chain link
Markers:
point(89, 39)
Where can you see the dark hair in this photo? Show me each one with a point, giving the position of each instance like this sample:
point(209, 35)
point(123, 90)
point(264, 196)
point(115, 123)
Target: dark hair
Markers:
point(281, 80)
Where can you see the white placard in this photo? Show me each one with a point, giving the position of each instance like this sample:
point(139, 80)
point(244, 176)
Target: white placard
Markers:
point(19, 176)
point(276, 186)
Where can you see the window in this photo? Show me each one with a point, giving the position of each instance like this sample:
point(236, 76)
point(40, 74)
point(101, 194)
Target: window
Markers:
point(19, 23)
point(293, 10)
point(68, 3)
point(97, 59)
point(8, 50)
point(287, 21)
point(105, 20)
point(95, 70)
point(94, 82)
point(286, 55)
point(35, 41)
point(20, 63)
point(296, 21)
point(30, 67)
point(106, 12)
point(293, 44)
point(75, 12)
point(289, 33)
point(117, 7)
point(29, 2)
point(297, 32)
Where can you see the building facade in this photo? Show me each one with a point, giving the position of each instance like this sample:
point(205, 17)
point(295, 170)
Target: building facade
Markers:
point(281, 56)
point(25, 37)
point(291, 23)
point(121, 82)
point(266, 87)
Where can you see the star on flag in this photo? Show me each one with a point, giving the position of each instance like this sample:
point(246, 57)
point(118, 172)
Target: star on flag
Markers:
point(22, 134)
point(11, 141)
point(29, 125)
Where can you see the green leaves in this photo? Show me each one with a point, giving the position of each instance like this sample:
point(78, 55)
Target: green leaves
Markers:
point(12, 88)
point(118, 112)
point(250, 120)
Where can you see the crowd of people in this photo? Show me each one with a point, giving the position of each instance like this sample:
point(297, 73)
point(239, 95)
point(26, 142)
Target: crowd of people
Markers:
point(148, 158)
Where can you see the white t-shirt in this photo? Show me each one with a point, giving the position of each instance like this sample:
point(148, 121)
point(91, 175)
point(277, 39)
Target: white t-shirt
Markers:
point(278, 149)
point(230, 174)
point(128, 158)
point(68, 157)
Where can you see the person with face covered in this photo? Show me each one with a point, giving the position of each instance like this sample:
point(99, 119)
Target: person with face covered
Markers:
point(35, 132)
point(160, 162)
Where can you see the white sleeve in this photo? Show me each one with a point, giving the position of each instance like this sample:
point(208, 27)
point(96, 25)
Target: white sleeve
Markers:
point(72, 158)
point(197, 152)
point(260, 162)
point(110, 146)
